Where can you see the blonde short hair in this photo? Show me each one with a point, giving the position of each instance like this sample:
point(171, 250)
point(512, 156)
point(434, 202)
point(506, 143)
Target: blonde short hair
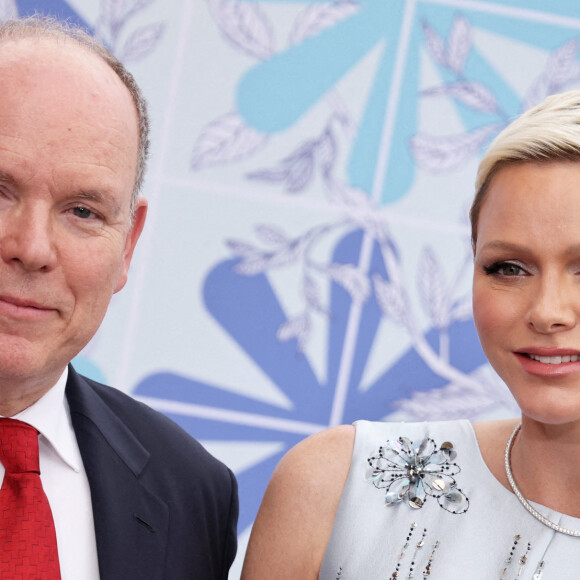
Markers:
point(548, 132)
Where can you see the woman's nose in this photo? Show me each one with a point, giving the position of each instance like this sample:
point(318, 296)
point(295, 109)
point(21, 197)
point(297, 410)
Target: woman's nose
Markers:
point(555, 305)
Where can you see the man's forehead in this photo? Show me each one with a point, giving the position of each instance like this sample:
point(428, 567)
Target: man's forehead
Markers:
point(29, 54)
point(59, 71)
point(60, 98)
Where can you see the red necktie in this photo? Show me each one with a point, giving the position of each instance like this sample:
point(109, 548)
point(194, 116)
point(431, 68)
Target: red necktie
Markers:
point(27, 537)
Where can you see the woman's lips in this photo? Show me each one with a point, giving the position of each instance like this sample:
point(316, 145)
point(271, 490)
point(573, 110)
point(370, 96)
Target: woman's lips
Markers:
point(550, 362)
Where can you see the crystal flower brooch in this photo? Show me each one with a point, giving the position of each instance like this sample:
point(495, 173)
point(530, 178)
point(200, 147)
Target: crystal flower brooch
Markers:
point(410, 471)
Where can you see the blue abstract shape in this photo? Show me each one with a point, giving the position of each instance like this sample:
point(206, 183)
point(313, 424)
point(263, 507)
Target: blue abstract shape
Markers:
point(248, 310)
point(276, 93)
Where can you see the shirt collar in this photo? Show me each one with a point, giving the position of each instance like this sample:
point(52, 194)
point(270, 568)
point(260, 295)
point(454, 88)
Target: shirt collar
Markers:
point(50, 415)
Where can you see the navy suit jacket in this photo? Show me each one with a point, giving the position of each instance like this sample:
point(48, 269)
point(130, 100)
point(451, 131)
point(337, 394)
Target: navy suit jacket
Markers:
point(164, 508)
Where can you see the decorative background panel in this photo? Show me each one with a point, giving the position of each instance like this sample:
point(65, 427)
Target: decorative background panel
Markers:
point(307, 259)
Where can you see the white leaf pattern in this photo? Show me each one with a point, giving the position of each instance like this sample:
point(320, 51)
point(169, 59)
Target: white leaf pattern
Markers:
point(432, 288)
point(272, 235)
point(316, 17)
point(473, 94)
point(459, 401)
point(312, 293)
point(245, 25)
point(241, 248)
point(253, 265)
point(458, 44)
point(442, 153)
point(463, 310)
point(391, 299)
point(142, 42)
point(352, 279)
point(326, 151)
point(298, 328)
point(434, 43)
point(561, 68)
point(227, 138)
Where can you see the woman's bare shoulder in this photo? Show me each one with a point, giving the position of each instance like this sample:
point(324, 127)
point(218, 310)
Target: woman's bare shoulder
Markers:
point(297, 513)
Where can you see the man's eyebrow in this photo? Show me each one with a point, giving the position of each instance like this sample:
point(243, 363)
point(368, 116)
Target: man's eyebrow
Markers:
point(7, 178)
point(94, 195)
point(99, 197)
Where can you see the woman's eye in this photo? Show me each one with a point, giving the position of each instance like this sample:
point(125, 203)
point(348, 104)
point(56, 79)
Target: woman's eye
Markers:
point(82, 212)
point(504, 269)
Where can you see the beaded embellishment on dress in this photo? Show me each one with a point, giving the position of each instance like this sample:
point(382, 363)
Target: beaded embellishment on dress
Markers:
point(410, 564)
point(411, 471)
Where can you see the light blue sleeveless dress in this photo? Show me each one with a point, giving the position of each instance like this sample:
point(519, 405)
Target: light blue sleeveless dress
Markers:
point(420, 503)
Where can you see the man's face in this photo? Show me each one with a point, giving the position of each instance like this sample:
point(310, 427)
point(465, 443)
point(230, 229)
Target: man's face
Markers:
point(68, 153)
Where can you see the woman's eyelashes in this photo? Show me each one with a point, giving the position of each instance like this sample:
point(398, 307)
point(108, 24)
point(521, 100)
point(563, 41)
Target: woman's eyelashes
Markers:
point(504, 269)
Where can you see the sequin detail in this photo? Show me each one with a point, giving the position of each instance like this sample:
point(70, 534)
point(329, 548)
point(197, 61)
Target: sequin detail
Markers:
point(514, 560)
point(411, 471)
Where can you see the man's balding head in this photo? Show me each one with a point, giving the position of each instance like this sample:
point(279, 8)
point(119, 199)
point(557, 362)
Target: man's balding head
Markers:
point(43, 27)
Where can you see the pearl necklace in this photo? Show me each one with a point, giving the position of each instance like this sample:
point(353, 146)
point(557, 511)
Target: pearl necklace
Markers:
point(523, 500)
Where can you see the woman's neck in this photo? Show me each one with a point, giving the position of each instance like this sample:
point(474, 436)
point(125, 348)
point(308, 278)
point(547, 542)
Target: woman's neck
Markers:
point(542, 460)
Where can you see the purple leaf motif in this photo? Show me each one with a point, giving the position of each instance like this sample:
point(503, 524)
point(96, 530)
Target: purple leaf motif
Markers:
point(272, 235)
point(260, 262)
point(142, 42)
point(391, 299)
point(298, 328)
point(561, 68)
point(296, 170)
point(241, 249)
point(432, 289)
point(273, 175)
point(227, 138)
point(355, 282)
point(317, 17)
point(434, 43)
point(312, 293)
point(111, 11)
point(443, 153)
point(245, 25)
point(458, 44)
point(253, 265)
point(326, 152)
point(470, 93)
point(300, 171)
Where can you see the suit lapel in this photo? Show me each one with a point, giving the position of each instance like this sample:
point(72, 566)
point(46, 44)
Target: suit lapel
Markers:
point(131, 523)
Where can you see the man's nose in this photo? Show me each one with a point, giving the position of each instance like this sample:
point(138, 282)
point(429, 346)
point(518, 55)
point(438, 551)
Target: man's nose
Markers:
point(555, 306)
point(27, 240)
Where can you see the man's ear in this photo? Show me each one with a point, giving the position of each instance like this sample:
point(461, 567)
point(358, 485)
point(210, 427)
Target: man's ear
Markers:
point(139, 215)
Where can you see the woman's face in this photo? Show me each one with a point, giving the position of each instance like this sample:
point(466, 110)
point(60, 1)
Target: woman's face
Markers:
point(526, 286)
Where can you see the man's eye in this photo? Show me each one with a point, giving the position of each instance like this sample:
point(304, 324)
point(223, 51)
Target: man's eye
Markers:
point(82, 212)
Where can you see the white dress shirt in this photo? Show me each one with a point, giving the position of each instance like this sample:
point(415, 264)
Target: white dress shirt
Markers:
point(65, 483)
